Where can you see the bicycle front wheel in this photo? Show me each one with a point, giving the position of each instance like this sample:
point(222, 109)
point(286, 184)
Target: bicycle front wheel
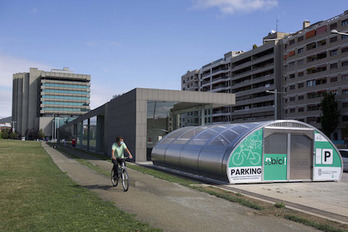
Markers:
point(114, 180)
point(125, 180)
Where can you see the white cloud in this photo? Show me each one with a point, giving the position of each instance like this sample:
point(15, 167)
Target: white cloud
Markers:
point(9, 66)
point(234, 6)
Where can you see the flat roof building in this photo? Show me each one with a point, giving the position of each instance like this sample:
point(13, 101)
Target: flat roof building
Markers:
point(141, 116)
point(46, 100)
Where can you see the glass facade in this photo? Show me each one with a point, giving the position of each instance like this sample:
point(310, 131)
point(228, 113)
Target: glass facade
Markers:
point(93, 134)
point(64, 109)
point(66, 86)
point(65, 103)
point(85, 136)
point(65, 97)
point(64, 91)
point(163, 117)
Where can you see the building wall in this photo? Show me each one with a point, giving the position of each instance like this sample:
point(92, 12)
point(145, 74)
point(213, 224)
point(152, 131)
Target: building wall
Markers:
point(329, 58)
point(120, 121)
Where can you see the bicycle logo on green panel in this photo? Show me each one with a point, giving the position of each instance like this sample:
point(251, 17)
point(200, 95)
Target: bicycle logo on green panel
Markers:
point(248, 153)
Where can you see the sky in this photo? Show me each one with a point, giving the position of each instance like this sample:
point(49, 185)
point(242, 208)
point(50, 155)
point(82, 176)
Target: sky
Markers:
point(124, 44)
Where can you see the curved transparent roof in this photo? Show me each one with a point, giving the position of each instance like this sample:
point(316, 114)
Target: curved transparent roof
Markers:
point(214, 135)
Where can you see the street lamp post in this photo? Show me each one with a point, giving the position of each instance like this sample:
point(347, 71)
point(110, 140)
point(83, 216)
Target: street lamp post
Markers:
point(275, 92)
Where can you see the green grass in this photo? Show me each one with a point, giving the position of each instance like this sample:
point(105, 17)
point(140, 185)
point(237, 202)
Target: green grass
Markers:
point(279, 205)
point(37, 196)
point(319, 226)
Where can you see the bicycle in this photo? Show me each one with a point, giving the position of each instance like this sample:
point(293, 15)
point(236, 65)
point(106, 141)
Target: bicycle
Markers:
point(123, 173)
point(253, 157)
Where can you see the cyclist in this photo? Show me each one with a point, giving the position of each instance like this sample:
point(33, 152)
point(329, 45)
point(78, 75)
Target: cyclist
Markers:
point(118, 149)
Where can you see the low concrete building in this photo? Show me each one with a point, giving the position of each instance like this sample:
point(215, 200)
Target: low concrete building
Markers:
point(141, 116)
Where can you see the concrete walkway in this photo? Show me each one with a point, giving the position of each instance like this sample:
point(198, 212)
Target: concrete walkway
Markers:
point(166, 205)
point(323, 199)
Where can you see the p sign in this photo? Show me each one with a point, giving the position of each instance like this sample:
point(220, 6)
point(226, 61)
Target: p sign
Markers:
point(327, 156)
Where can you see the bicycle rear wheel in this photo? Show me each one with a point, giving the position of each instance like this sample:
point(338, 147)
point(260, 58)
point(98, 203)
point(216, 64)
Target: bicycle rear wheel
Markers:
point(114, 181)
point(125, 180)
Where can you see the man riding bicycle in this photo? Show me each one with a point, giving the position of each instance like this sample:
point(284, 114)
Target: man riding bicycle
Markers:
point(118, 149)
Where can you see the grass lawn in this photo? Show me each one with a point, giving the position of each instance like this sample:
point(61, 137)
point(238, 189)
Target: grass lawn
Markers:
point(37, 196)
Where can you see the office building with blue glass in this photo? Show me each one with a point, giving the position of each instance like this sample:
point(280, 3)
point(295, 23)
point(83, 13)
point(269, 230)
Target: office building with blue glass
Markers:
point(47, 100)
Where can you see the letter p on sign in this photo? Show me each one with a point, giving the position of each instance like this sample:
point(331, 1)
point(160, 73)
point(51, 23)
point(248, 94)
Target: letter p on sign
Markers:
point(327, 156)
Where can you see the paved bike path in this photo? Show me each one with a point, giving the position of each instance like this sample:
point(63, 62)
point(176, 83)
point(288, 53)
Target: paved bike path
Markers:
point(166, 205)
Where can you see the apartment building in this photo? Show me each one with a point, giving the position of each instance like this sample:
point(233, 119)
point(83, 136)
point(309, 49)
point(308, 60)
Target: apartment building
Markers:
point(315, 61)
point(190, 81)
point(212, 77)
point(47, 100)
point(248, 75)
point(253, 74)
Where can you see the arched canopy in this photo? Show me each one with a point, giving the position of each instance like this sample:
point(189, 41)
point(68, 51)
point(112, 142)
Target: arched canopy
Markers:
point(208, 150)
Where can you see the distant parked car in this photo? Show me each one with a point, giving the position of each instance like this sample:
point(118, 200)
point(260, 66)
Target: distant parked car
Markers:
point(344, 154)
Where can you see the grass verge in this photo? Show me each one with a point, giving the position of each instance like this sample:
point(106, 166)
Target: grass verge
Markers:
point(37, 196)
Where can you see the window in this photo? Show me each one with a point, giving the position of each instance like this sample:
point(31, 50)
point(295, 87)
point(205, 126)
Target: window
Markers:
point(345, 91)
point(292, 110)
point(311, 46)
point(345, 118)
point(300, 85)
point(292, 76)
point(345, 104)
point(333, 66)
point(300, 39)
point(333, 39)
point(291, 64)
point(286, 111)
point(300, 74)
point(344, 22)
point(344, 63)
point(344, 77)
point(345, 49)
point(292, 99)
point(344, 37)
point(300, 62)
point(300, 50)
point(333, 26)
point(321, 43)
point(301, 97)
point(292, 87)
point(333, 52)
point(301, 109)
point(291, 41)
point(310, 83)
point(333, 79)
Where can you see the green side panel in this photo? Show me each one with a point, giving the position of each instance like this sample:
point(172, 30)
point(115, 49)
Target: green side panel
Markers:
point(325, 153)
point(275, 167)
point(249, 152)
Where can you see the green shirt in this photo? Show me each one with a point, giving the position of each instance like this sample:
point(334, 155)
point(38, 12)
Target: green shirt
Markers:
point(119, 150)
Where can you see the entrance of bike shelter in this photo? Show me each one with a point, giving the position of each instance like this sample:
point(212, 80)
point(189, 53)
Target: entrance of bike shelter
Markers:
point(288, 154)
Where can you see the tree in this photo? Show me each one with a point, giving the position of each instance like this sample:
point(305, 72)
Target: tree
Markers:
point(13, 135)
point(4, 134)
point(41, 135)
point(330, 114)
